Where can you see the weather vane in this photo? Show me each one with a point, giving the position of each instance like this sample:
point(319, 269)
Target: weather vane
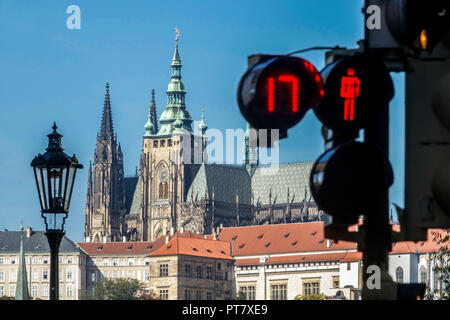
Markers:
point(177, 32)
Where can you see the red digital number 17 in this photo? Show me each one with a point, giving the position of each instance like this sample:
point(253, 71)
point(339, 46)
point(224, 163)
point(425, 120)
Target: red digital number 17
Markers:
point(293, 80)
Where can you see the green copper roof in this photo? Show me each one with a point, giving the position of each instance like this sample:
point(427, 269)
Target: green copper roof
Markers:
point(175, 101)
point(22, 283)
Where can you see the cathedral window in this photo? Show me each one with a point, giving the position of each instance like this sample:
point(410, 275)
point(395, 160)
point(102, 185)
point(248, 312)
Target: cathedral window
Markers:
point(169, 142)
point(163, 143)
point(155, 144)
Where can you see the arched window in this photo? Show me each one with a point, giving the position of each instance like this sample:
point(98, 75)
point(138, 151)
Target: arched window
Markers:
point(423, 275)
point(399, 275)
point(436, 280)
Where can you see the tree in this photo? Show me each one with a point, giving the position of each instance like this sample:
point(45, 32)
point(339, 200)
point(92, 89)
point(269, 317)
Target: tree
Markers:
point(441, 266)
point(119, 289)
point(241, 296)
point(319, 296)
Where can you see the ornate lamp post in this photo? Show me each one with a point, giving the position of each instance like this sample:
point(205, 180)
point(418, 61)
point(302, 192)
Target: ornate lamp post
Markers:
point(55, 175)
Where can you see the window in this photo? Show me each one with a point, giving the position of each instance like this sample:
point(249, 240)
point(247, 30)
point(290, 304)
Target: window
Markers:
point(34, 290)
point(93, 276)
point(45, 275)
point(423, 275)
point(131, 262)
point(147, 262)
point(243, 290)
point(208, 295)
point(348, 266)
point(147, 276)
point(12, 276)
point(164, 294)
point(155, 144)
point(34, 260)
point(12, 290)
point(60, 290)
point(45, 260)
point(187, 270)
point(219, 266)
point(13, 260)
point(45, 290)
point(199, 272)
point(336, 282)
point(436, 280)
point(279, 292)
point(209, 272)
point(1, 260)
point(1, 291)
point(1, 278)
point(115, 262)
point(105, 262)
point(187, 294)
point(69, 260)
point(399, 275)
point(69, 290)
point(311, 287)
point(163, 270)
point(35, 275)
point(251, 293)
point(199, 295)
point(69, 275)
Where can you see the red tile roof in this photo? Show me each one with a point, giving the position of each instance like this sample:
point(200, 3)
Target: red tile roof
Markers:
point(131, 248)
point(195, 247)
point(280, 238)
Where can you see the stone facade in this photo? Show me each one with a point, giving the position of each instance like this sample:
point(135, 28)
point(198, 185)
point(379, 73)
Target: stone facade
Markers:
point(72, 262)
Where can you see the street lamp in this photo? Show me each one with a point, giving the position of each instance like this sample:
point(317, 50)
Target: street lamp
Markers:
point(54, 172)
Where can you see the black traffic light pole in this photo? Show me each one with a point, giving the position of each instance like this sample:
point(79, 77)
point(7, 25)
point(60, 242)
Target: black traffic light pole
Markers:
point(377, 231)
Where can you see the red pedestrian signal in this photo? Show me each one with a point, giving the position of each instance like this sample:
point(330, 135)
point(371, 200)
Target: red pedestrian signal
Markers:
point(350, 88)
point(355, 88)
point(276, 92)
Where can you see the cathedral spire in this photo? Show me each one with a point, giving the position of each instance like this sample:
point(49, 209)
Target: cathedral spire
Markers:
point(22, 283)
point(175, 98)
point(106, 129)
point(151, 127)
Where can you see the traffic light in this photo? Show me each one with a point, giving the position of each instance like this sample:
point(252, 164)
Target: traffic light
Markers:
point(420, 25)
point(427, 146)
point(277, 91)
point(407, 25)
point(355, 88)
point(348, 179)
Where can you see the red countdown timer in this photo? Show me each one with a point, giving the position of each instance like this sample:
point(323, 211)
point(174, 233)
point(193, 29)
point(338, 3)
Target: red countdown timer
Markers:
point(356, 87)
point(277, 92)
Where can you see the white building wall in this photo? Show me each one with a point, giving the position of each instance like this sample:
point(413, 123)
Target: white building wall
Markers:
point(349, 274)
point(403, 261)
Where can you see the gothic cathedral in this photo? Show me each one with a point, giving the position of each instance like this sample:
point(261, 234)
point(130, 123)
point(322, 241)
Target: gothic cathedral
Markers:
point(170, 193)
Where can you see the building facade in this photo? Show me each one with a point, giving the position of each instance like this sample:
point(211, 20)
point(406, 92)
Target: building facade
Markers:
point(187, 268)
point(72, 262)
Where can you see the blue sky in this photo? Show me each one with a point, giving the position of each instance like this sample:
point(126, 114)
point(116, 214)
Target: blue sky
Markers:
point(50, 73)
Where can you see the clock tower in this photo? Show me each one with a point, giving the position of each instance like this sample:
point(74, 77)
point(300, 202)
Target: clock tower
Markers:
point(165, 171)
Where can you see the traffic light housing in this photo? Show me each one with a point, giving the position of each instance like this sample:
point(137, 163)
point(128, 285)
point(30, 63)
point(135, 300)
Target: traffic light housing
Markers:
point(427, 146)
point(277, 91)
point(355, 88)
point(420, 25)
point(346, 180)
point(407, 26)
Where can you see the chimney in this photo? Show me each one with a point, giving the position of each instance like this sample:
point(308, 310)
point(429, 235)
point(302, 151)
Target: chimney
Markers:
point(214, 235)
point(124, 239)
point(165, 231)
point(204, 237)
point(231, 247)
point(181, 230)
point(29, 232)
point(88, 239)
point(167, 239)
point(104, 239)
point(172, 231)
point(329, 243)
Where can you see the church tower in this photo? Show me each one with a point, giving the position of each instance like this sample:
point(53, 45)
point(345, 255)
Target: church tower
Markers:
point(105, 205)
point(165, 173)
